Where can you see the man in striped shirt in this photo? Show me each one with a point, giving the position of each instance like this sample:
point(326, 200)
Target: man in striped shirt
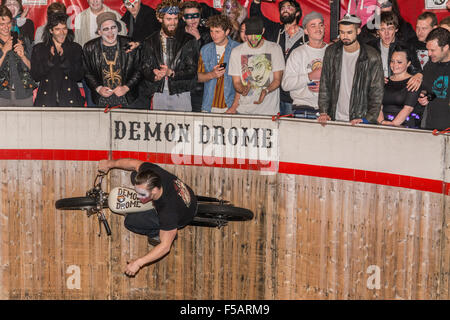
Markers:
point(219, 94)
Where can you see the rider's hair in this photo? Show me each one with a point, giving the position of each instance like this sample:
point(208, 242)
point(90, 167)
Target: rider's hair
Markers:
point(150, 178)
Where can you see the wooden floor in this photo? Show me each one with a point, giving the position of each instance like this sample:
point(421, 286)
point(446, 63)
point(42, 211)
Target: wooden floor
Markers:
point(311, 238)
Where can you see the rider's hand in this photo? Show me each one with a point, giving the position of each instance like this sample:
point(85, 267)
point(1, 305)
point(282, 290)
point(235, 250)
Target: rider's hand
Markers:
point(133, 267)
point(103, 166)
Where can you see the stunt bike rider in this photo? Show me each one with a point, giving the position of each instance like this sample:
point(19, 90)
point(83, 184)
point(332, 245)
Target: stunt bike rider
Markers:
point(175, 206)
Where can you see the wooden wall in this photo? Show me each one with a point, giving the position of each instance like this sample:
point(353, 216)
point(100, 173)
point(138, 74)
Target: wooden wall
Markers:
point(311, 238)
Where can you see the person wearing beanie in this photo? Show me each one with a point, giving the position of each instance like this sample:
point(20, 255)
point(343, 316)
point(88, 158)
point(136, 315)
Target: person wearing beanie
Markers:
point(256, 67)
point(304, 67)
point(287, 34)
point(112, 71)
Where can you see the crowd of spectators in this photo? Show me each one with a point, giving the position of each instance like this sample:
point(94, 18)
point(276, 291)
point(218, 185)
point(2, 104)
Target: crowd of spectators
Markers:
point(187, 56)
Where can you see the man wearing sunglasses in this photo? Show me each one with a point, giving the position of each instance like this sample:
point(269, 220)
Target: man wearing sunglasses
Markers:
point(140, 20)
point(169, 62)
point(191, 16)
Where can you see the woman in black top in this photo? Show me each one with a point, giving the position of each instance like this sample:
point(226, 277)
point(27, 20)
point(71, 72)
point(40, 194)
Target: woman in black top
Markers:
point(398, 102)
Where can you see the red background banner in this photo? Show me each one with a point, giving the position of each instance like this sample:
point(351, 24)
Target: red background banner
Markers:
point(410, 9)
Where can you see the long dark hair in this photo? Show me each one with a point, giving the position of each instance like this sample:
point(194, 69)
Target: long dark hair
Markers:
point(53, 20)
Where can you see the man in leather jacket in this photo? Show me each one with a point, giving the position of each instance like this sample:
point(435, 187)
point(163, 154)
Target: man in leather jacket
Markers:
point(170, 58)
point(352, 81)
point(111, 69)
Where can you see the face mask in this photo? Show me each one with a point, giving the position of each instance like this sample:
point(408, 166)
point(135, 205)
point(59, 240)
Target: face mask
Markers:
point(188, 16)
point(257, 37)
point(130, 3)
point(143, 194)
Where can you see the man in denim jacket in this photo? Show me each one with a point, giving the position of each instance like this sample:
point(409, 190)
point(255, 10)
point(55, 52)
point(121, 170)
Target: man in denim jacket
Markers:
point(219, 94)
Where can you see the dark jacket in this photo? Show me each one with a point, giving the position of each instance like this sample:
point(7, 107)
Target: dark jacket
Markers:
point(13, 71)
point(414, 47)
point(130, 67)
point(275, 32)
point(57, 75)
point(405, 32)
point(368, 83)
point(144, 24)
point(184, 62)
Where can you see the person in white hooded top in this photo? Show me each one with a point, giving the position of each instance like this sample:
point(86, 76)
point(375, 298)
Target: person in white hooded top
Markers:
point(304, 66)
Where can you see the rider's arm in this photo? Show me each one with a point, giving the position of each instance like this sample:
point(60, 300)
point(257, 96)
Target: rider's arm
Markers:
point(156, 253)
point(125, 164)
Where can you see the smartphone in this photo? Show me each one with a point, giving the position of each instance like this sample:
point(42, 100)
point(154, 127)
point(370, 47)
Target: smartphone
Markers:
point(312, 83)
point(223, 65)
point(14, 38)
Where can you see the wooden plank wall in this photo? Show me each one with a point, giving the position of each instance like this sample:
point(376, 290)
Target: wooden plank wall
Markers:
point(312, 238)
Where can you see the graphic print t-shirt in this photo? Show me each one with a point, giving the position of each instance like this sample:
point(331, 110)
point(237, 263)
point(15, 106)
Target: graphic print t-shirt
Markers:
point(256, 68)
point(178, 203)
point(436, 79)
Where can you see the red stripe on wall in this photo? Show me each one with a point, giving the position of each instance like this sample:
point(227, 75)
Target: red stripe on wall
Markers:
point(381, 178)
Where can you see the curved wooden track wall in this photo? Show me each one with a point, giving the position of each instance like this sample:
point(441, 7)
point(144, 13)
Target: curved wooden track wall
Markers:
point(341, 212)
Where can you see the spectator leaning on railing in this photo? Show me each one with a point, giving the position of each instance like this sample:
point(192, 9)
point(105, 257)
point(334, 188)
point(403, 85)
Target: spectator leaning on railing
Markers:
point(287, 34)
point(398, 102)
point(352, 82)
point(55, 63)
point(436, 74)
point(219, 94)
point(304, 66)
point(112, 72)
point(256, 67)
point(16, 83)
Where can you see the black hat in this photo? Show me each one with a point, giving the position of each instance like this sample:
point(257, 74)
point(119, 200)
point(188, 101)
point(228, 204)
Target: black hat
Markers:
point(254, 25)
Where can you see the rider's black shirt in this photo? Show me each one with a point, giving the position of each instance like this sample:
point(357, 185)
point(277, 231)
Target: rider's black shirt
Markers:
point(177, 205)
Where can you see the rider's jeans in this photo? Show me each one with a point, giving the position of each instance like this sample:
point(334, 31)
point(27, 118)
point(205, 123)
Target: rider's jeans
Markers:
point(145, 223)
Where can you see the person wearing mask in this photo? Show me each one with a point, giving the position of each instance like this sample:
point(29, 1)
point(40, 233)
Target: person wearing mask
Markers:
point(287, 34)
point(256, 68)
point(190, 14)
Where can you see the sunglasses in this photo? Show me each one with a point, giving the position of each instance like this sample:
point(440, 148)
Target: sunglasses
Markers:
point(188, 16)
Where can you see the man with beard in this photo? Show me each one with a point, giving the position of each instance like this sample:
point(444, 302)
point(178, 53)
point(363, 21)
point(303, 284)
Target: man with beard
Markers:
point(112, 72)
point(352, 81)
point(170, 58)
point(55, 64)
point(289, 35)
